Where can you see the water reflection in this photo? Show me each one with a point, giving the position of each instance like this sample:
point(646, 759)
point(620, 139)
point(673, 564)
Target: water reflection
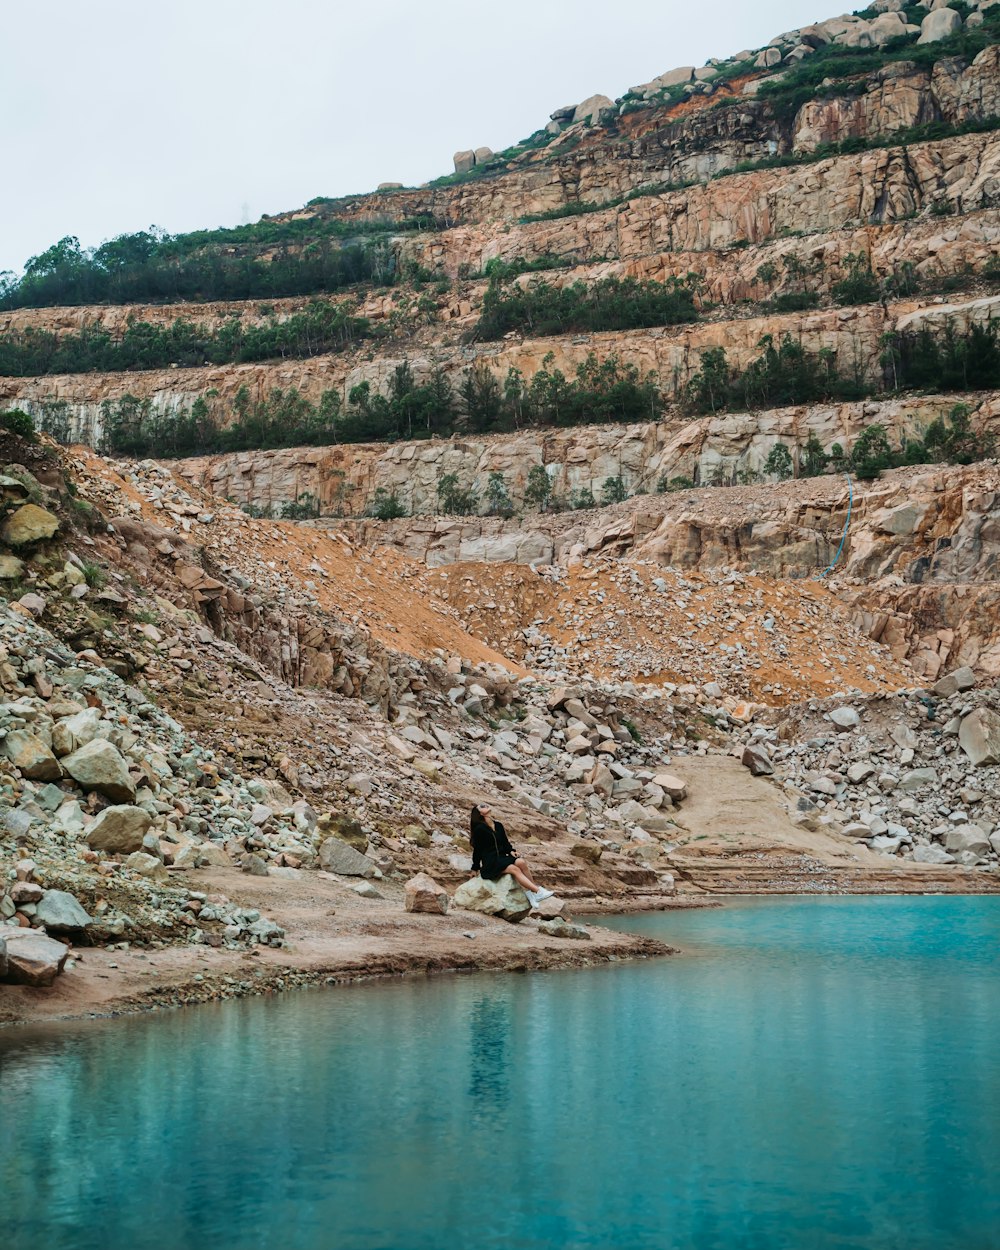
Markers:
point(819, 1075)
point(489, 1061)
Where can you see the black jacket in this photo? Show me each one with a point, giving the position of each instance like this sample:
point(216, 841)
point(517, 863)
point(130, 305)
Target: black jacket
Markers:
point(488, 845)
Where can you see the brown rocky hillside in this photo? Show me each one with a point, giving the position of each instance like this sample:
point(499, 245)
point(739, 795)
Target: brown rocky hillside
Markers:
point(238, 710)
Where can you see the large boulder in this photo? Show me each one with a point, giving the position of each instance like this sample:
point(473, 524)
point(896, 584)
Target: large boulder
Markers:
point(119, 830)
point(346, 828)
point(671, 785)
point(73, 732)
point(590, 109)
point(939, 25)
point(337, 856)
point(422, 893)
point(99, 766)
point(503, 898)
point(29, 524)
point(464, 161)
point(31, 757)
point(677, 77)
point(979, 736)
point(967, 838)
point(757, 760)
point(952, 683)
point(28, 957)
point(61, 913)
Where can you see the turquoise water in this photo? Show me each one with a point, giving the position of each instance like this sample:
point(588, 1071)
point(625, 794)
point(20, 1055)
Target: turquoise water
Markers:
point(810, 1075)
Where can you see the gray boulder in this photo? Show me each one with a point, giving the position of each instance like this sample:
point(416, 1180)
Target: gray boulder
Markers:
point(99, 766)
point(952, 683)
point(757, 760)
point(119, 830)
point(845, 718)
point(557, 927)
point(590, 109)
point(337, 856)
point(61, 913)
point(917, 778)
point(979, 736)
point(503, 898)
point(28, 957)
point(464, 161)
point(939, 25)
point(73, 732)
point(31, 757)
point(677, 77)
point(967, 838)
point(144, 865)
point(932, 854)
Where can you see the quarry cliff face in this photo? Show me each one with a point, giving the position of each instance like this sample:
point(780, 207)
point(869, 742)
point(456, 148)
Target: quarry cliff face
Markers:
point(267, 683)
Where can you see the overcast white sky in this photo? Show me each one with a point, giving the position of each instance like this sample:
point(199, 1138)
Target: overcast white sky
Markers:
point(120, 114)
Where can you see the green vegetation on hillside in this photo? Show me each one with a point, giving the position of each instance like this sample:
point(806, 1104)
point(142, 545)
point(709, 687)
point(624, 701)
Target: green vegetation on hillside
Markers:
point(483, 402)
point(319, 328)
point(786, 373)
point(542, 308)
point(834, 70)
point(268, 259)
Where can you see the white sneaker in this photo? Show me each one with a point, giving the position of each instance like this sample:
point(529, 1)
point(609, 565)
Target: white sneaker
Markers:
point(533, 899)
point(542, 895)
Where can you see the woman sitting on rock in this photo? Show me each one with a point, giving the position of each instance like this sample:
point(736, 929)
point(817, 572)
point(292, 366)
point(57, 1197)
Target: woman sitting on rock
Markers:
point(494, 857)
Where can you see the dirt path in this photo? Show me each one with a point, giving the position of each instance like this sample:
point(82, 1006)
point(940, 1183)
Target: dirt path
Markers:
point(739, 837)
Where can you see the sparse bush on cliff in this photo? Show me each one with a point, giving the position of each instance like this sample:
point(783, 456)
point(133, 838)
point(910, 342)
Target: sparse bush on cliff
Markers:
point(953, 360)
point(498, 501)
point(304, 507)
point(17, 421)
point(385, 505)
point(455, 500)
point(614, 490)
point(779, 463)
point(814, 461)
point(784, 374)
point(538, 489)
point(542, 308)
point(859, 286)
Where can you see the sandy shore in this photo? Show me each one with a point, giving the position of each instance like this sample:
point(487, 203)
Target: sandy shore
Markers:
point(333, 936)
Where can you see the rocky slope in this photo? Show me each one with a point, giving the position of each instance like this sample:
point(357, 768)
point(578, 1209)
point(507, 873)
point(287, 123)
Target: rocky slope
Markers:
point(218, 728)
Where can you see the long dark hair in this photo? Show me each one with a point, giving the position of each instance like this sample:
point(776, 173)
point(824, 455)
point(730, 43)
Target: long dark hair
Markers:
point(477, 821)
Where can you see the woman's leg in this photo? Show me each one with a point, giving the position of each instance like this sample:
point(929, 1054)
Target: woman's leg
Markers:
point(519, 871)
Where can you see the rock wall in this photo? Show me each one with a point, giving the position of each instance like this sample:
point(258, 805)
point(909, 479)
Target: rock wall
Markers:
point(716, 448)
point(672, 354)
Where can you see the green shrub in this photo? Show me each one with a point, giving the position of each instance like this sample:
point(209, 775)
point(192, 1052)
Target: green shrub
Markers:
point(814, 460)
point(538, 488)
point(454, 500)
point(795, 301)
point(860, 286)
point(93, 575)
point(784, 374)
point(318, 329)
point(614, 490)
point(497, 497)
point(304, 507)
point(871, 453)
point(541, 308)
point(18, 422)
point(582, 499)
point(386, 505)
point(779, 462)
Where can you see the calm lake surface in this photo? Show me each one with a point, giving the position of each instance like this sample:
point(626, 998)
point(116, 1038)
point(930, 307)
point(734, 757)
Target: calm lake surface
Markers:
point(811, 1074)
